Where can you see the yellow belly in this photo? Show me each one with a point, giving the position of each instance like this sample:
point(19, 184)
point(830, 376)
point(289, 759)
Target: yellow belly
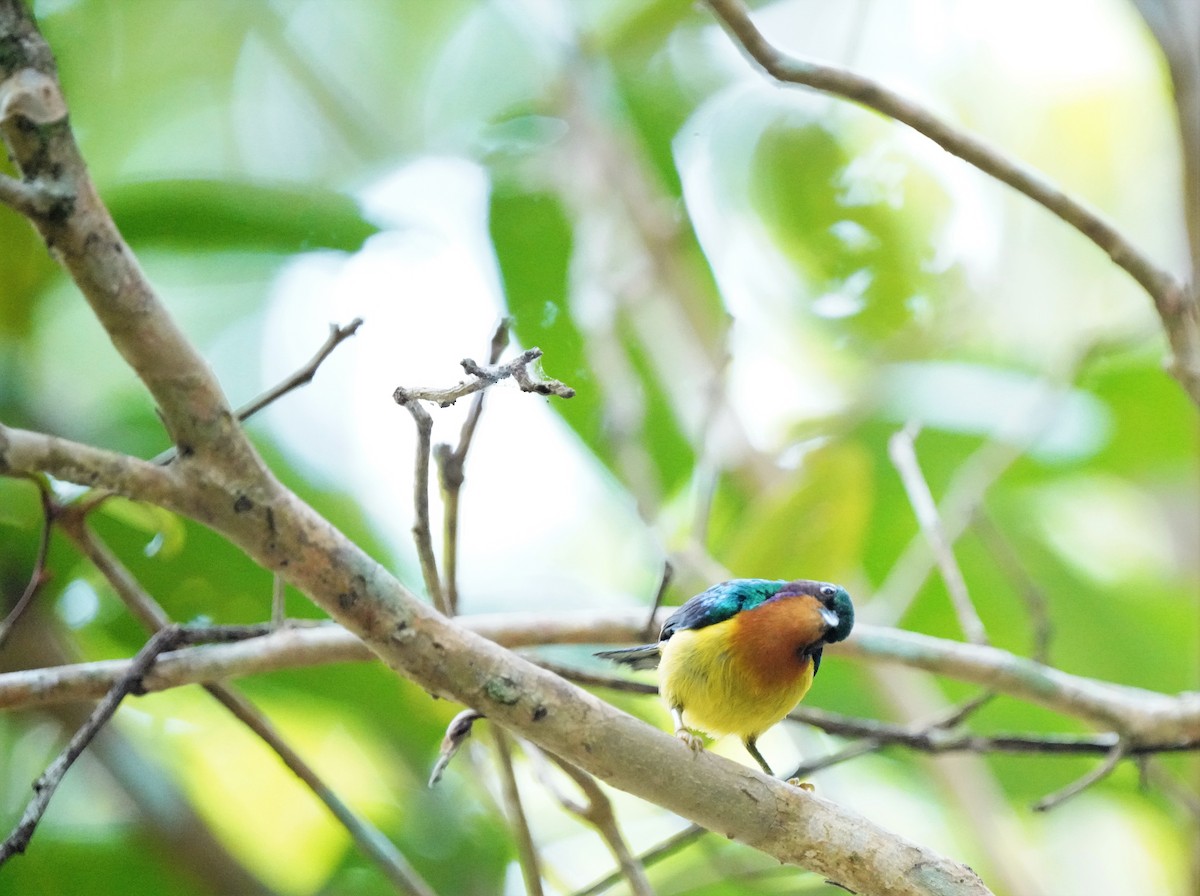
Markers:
point(718, 690)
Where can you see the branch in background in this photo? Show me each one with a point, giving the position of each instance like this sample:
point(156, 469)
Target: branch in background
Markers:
point(1010, 564)
point(303, 376)
point(1147, 717)
point(1119, 751)
point(530, 861)
point(1177, 311)
point(664, 850)
point(451, 463)
point(370, 840)
point(903, 452)
point(598, 812)
point(39, 575)
point(129, 683)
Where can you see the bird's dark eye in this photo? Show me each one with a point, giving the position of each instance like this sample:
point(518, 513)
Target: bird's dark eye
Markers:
point(828, 591)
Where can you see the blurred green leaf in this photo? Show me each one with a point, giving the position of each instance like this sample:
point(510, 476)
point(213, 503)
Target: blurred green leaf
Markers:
point(812, 526)
point(533, 239)
point(227, 214)
point(167, 531)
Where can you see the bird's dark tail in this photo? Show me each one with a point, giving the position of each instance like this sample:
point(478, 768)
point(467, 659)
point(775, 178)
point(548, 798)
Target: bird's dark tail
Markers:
point(644, 657)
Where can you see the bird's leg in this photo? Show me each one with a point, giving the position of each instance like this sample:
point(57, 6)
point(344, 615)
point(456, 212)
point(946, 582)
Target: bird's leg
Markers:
point(752, 748)
point(751, 744)
point(682, 732)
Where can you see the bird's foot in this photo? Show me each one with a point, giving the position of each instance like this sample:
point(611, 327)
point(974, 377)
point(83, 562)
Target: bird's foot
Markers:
point(807, 786)
point(694, 741)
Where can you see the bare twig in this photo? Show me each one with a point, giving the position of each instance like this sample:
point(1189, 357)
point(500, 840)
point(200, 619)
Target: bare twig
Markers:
point(39, 575)
point(904, 456)
point(663, 583)
point(482, 377)
point(451, 464)
point(531, 865)
point(456, 735)
point(1177, 313)
point(1010, 563)
point(422, 535)
point(664, 850)
point(1119, 751)
point(598, 812)
point(368, 837)
point(303, 376)
point(129, 683)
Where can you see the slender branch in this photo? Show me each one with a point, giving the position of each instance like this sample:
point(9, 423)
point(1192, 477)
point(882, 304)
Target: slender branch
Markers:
point(39, 575)
point(664, 850)
point(1010, 563)
point(369, 839)
point(303, 376)
point(422, 536)
point(1119, 751)
point(47, 783)
point(902, 449)
point(531, 866)
point(451, 464)
point(598, 812)
point(1179, 315)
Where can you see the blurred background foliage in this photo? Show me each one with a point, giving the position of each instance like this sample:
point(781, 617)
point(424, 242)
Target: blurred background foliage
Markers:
point(751, 288)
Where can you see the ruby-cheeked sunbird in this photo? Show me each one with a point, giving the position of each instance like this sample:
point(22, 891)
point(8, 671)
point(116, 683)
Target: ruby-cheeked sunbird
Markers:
point(737, 658)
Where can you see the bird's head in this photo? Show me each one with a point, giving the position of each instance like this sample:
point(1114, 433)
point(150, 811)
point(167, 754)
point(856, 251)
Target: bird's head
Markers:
point(837, 610)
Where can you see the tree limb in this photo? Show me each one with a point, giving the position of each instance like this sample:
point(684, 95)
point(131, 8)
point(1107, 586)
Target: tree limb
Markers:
point(1176, 309)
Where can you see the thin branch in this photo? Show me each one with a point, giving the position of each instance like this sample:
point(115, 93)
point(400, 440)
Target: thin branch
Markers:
point(598, 812)
point(531, 866)
point(902, 450)
point(369, 839)
point(1119, 751)
point(422, 536)
point(451, 464)
point(39, 575)
point(129, 683)
point(1176, 307)
point(303, 376)
point(663, 584)
point(1010, 563)
point(664, 850)
point(1162, 286)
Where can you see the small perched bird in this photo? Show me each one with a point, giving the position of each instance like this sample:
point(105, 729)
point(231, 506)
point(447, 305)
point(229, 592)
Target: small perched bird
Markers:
point(736, 659)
